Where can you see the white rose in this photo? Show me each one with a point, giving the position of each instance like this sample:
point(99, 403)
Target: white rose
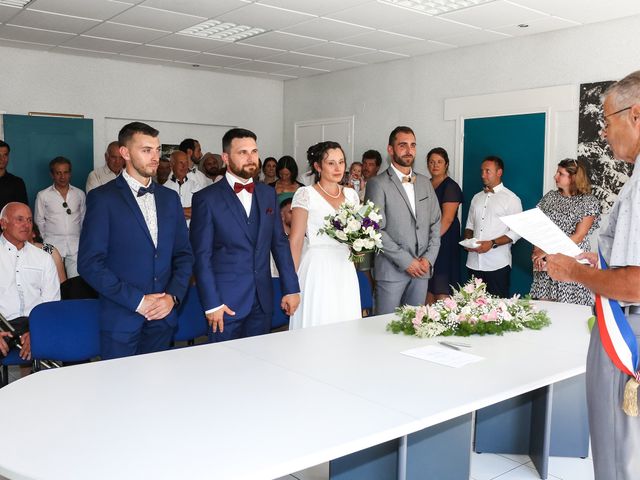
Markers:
point(341, 235)
point(376, 217)
point(358, 245)
point(354, 225)
point(369, 244)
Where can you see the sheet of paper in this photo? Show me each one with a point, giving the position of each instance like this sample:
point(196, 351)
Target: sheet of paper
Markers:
point(534, 226)
point(443, 356)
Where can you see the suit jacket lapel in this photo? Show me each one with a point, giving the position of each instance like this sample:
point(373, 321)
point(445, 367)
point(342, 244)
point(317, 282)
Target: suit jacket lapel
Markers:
point(398, 184)
point(235, 205)
point(127, 194)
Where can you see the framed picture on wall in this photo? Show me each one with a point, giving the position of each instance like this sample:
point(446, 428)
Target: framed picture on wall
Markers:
point(607, 174)
point(167, 149)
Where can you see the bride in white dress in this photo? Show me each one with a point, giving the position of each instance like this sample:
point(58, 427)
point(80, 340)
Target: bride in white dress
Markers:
point(328, 280)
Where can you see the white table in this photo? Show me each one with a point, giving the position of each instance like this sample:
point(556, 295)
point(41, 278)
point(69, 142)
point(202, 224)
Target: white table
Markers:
point(263, 407)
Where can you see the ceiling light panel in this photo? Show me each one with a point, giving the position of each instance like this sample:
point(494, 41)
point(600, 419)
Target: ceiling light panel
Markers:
point(434, 7)
point(14, 3)
point(225, 31)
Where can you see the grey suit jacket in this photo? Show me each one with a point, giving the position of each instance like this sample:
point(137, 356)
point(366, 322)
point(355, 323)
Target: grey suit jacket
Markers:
point(405, 236)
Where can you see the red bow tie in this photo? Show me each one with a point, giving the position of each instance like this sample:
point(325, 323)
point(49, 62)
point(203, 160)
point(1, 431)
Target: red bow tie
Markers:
point(238, 187)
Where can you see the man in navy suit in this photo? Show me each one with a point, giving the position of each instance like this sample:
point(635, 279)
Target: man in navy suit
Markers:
point(235, 224)
point(135, 251)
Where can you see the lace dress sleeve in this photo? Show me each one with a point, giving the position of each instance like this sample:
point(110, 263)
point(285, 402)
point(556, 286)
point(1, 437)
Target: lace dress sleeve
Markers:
point(301, 199)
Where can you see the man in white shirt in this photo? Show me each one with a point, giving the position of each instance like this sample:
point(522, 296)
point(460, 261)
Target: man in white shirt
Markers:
point(114, 163)
point(59, 213)
point(491, 260)
point(28, 275)
point(212, 166)
point(182, 184)
point(194, 154)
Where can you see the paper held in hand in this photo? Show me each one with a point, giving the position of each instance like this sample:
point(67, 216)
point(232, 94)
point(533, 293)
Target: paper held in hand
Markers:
point(534, 226)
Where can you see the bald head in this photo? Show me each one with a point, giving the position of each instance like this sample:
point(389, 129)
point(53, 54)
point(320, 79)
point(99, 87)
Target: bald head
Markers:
point(179, 164)
point(17, 222)
point(113, 159)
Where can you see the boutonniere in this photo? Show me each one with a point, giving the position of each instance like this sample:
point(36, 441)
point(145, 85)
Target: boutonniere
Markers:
point(269, 211)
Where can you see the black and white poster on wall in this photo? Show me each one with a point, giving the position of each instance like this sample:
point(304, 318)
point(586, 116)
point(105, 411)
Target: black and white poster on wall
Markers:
point(607, 174)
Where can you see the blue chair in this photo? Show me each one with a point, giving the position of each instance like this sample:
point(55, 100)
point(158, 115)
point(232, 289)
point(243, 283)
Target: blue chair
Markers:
point(66, 331)
point(192, 322)
point(366, 293)
point(12, 358)
point(279, 318)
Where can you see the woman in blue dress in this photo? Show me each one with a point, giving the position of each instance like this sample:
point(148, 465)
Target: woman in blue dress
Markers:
point(446, 270)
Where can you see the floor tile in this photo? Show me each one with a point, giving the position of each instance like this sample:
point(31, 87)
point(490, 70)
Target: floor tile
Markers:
point(486, 466)
point(521, 459)
point(571, 468)
point(523, 472)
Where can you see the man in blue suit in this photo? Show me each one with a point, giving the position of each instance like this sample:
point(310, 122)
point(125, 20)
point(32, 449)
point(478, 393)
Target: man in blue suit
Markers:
point(135, 251)
point(235, 224)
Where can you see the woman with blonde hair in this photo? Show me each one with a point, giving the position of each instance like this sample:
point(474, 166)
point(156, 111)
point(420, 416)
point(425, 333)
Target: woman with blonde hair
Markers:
point(573, 208)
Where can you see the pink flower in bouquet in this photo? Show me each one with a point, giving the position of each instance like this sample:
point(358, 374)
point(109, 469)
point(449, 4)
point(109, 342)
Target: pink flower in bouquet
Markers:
point(472, 319)
point(469, 288)
point(478, 282)
point(433, 313)
point(481, 301)
point(491, 316)
point(450, 303)
point(420, 313)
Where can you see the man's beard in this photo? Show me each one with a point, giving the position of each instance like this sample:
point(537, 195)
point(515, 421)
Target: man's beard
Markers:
point(404, 161)
point(244, 172)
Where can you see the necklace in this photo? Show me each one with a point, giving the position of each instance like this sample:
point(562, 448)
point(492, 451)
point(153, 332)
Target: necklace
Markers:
point(328, 194)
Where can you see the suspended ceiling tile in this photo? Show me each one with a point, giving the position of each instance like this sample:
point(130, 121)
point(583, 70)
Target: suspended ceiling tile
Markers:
point(539, 26)
point(375, 15)
point(335, 50)
point(302, 72)
point(377, 57)
point(26, 34)
point(188, 42)
point(494, 14)
point(99, 44)
point(262, 16)
point(83, 53)
point(6, 13)
point(326, 29)
point(262, 66)
point(294, 58)
point(212, 60)
point(431, 28)
point(97, 9)
point(475, 38)
point(281, 40)
point(118, 31)
point(27, 45)
point(336, 64)
point(162, 53)
point(379, 40)
point(314, 7)
point(53, 21)
point(159, 19)
point(422, 47)
point(248, 51)
point(200, 8)
point(585, 11)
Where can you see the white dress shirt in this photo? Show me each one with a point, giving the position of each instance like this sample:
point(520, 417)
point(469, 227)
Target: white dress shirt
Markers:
point(484, 219)
point(185, 191)
point(200, 177)
point(147, 204)
point(408, 187)
point(98, 177)
point(58, 227)
point(28, 277)
point(244, 196)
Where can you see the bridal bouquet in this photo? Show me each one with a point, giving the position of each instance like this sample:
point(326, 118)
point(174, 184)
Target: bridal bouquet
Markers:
point(469, 310)
point(356, 226)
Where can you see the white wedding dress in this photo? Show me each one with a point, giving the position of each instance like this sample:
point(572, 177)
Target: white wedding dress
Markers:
point(328, 280)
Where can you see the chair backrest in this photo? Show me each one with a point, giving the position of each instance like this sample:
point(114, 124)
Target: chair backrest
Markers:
point(192, 322)
point(366, 295)
point(65, 330)
point(279, 318)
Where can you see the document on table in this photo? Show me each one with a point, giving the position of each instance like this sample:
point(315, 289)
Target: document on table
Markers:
point(534, 226)
point(443, 356)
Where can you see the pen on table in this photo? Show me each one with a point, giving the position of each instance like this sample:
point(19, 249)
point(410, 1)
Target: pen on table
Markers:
point(460, 344)
point(449, 345)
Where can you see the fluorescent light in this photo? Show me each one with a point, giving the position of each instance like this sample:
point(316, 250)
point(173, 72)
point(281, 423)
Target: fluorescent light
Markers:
point(225, 31)
point(434, 7)
point(15, 3)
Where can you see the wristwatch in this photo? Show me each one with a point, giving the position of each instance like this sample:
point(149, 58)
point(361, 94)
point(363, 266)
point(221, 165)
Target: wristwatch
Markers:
point(494, 244)
point(176, 302)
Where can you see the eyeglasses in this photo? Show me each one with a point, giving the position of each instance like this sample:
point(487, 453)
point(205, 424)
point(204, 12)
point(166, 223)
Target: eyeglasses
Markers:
point(65, 205)
point(605, 123)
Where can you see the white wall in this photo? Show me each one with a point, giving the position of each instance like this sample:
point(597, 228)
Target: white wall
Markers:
point(102, 88)
point(412, 91)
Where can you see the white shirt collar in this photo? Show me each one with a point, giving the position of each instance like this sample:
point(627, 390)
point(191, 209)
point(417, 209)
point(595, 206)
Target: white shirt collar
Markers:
point(8, 245)
point(134, 184)
point(497, 188)
point(231, 178)
point(399, 173)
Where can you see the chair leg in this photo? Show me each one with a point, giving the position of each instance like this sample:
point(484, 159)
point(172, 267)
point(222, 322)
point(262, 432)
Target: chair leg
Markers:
point(4, 381)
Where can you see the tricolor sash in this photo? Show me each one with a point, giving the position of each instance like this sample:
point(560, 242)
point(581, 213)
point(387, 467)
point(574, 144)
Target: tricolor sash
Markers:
point(619, 341)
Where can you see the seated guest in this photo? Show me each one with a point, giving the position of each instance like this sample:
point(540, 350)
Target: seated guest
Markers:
point(12, 188)
point(114, 163)
point(59, 213)
point(180, 183)
point(287, 173)
point(36, 240)
point(212, 166)
point(269, 170)
point(28, 275)
point(194, 154)
point(164, 170)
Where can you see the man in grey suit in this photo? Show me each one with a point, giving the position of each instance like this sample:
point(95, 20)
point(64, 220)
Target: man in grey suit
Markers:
point(410, 227)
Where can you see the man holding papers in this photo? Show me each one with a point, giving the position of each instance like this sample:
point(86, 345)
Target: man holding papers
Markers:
point(490, 259)
point(612, 361)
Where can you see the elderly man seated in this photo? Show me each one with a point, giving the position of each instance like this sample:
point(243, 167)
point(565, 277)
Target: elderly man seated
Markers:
point(28, 275)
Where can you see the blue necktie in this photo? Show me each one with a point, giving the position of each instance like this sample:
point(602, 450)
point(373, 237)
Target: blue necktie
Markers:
point(144, 190)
